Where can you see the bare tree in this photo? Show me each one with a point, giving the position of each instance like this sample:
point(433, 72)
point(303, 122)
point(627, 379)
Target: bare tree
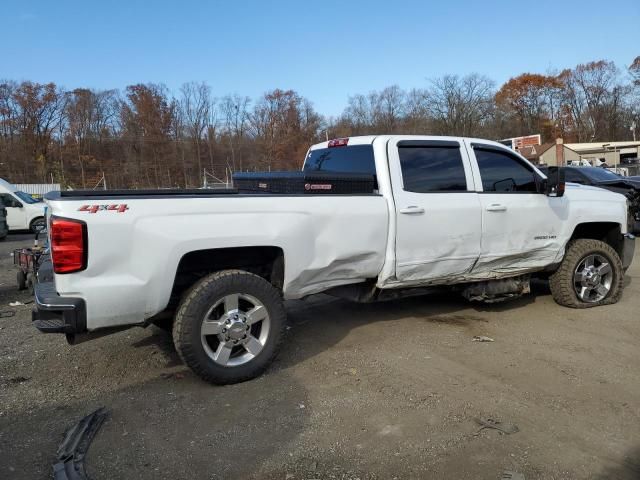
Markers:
point(589, 92)
point(460, 105)
point(235, 117)
point(196, 107)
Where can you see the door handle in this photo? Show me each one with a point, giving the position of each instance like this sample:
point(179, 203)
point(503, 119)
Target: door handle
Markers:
point(412, 210)
point(496, 207)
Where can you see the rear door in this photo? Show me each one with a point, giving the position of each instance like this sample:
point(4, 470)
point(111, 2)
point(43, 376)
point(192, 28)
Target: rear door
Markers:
point(520, 225)
point(438, 211)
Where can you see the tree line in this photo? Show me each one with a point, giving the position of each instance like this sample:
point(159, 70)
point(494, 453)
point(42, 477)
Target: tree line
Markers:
point(146, 136)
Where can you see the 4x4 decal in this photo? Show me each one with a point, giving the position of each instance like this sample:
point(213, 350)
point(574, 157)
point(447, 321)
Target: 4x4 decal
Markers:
point(120, 208)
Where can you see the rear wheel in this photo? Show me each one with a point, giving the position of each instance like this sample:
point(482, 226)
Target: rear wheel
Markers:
point(229, 326)
point(590, 274)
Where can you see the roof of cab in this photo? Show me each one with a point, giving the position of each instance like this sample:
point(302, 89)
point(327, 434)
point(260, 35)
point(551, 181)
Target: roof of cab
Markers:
point(369, 139)
point(361, 140)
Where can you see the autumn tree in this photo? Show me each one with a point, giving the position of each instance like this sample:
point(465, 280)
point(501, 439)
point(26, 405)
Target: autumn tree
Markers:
point(532, 101)
point(144, 137)
point(147, 118)
point(284, 124)
point(39, 109)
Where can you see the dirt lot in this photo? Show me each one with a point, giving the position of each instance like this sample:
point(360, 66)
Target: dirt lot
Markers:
point(359, 391)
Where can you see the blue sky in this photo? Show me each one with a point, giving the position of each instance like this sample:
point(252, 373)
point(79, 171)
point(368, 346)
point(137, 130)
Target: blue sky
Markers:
point(325, 50)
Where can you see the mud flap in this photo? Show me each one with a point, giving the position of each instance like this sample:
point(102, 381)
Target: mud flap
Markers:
point(74, 447)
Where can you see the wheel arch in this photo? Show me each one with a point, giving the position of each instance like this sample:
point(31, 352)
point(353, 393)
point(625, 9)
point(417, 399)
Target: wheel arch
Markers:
point(34, 218)
point(608, 232)
point(264, 261)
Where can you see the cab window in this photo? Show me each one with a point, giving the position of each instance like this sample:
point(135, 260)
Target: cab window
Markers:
point(502, 172)
point(427, 169)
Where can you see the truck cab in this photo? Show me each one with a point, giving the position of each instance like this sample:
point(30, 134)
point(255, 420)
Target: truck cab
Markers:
point(464, 209)
point(23, 211)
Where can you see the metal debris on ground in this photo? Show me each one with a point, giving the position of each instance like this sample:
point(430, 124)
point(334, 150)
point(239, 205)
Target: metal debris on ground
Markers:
point(7, 313)
point(482, 338)
point(509, 475)
point(74, 447)
point(19, 379)
point(494, 424)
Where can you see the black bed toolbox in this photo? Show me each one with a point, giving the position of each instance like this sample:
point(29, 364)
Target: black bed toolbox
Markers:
point(304, 183)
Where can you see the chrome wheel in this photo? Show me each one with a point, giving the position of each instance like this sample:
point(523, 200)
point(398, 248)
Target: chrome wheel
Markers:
point(235, 329)
point(593, 278)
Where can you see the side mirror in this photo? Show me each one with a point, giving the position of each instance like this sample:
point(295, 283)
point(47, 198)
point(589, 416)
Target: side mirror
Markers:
point(555, 183)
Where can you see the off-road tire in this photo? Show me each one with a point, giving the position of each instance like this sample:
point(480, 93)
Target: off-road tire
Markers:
point(191, 312)
point(561, 281)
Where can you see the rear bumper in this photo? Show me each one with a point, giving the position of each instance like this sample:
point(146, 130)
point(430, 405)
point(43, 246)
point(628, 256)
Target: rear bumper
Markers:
point(56, 314)
point(628, 250)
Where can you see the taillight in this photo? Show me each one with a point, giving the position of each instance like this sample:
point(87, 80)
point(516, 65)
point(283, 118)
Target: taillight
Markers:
point(338, 142)
point(68, 245)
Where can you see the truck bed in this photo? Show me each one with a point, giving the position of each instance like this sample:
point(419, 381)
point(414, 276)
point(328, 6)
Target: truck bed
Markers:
point(134, 252)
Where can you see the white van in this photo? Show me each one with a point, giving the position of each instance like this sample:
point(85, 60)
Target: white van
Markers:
point(23, 211)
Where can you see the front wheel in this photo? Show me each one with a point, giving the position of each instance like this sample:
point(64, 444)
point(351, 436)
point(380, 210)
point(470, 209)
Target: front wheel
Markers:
point(37, 225)
point(590, 274)
point(229, 326)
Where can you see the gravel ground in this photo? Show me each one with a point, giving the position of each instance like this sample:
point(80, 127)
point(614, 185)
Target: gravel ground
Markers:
point(359, 391)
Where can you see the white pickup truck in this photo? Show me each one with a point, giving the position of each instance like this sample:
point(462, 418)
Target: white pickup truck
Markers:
point(460, 213)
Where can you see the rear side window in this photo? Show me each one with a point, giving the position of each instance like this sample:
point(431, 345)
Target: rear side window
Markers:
point(504, 173)
point(350, 159)
point(428, 169)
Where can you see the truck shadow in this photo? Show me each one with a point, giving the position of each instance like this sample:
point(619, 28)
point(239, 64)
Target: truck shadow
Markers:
point(628, 468)
point(173, 427)
point(319, 322)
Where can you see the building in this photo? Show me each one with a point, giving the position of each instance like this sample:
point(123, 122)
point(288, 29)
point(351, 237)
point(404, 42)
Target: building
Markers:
point(540, 154)
point(611, 153)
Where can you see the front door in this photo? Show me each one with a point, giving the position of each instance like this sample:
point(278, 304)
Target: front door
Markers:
point(437, 210)
point(520, 224)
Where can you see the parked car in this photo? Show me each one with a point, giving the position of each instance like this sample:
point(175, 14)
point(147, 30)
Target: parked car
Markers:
point(23, 211)
point(447, 212)
point(601, 177)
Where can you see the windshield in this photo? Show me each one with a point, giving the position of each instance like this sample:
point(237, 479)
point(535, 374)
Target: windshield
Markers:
point(353, 159)
point(599, 174)
point(26, 198)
